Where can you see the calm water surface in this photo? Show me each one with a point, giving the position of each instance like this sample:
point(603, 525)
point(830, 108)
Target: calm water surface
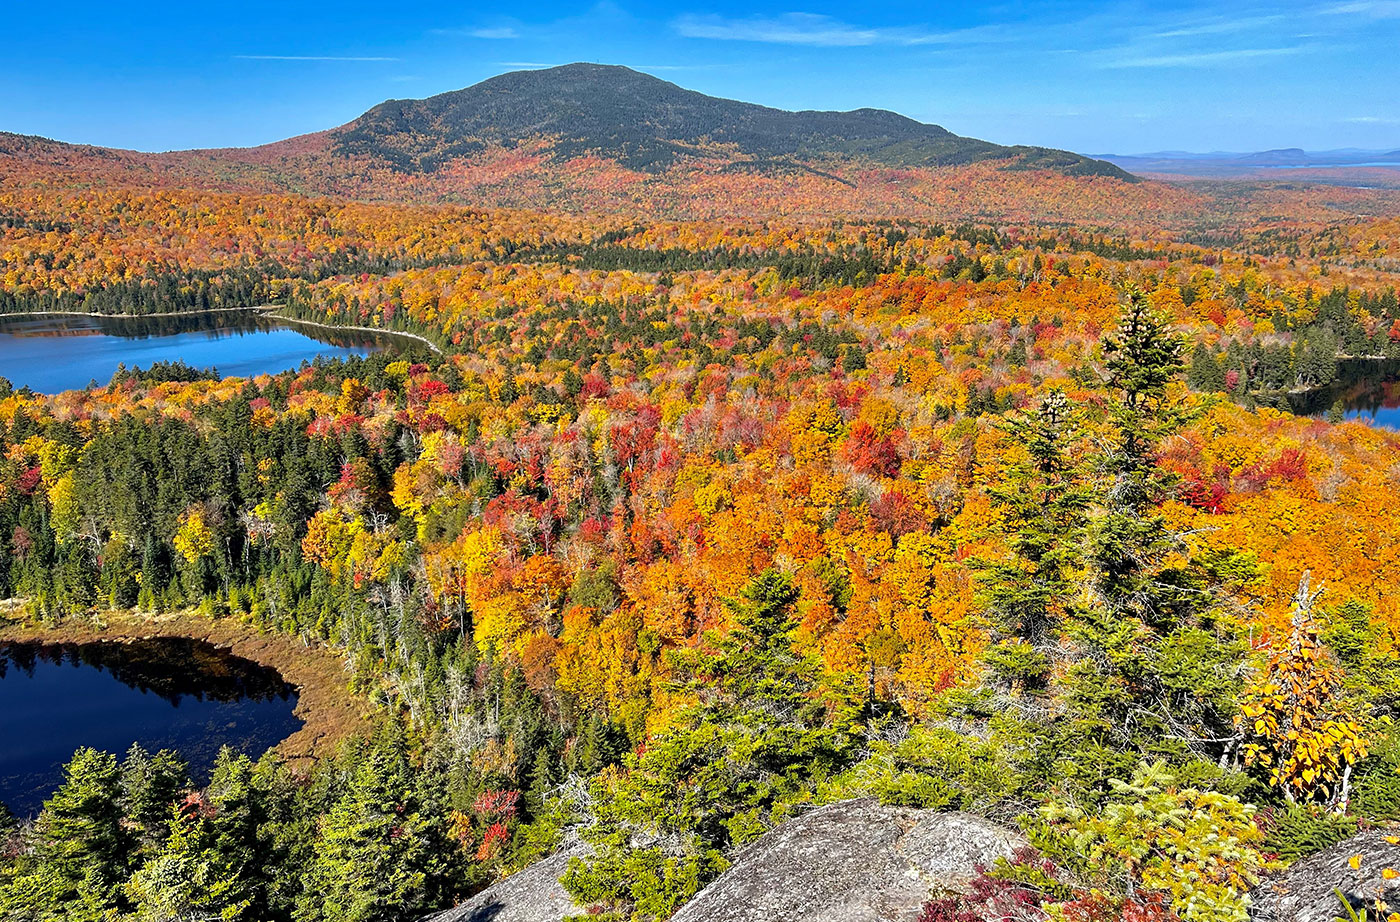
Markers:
point(165, 693)
point(56, 353)
point(1366, 390)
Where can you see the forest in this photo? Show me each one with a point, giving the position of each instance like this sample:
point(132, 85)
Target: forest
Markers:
point(694, 524)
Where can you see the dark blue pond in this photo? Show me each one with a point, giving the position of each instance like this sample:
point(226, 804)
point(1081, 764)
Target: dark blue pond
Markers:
point(54, 353)
point(164, 693)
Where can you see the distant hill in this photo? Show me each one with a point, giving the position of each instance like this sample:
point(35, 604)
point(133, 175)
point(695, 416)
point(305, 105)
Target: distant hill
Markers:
point(1255, 165)
point(648, 124)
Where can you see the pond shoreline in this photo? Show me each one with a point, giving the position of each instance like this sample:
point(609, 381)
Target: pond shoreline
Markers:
point(340, 326)
point(106, 316)
point(265, 310)
point(328, 710)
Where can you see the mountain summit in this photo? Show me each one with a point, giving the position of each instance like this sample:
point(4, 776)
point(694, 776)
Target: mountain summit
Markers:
point(648, 124)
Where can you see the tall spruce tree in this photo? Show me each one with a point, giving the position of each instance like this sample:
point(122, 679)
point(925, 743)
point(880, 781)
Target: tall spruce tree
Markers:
point(760, 737)
point(1043, 499)
point(1157, 665)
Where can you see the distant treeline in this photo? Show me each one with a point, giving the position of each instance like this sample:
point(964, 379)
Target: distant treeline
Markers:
point(184, 290)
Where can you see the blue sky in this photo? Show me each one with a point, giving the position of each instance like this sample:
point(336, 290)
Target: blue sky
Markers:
point(1092, 77)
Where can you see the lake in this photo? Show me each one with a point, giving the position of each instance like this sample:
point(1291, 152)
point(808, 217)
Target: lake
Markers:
point(1367, 390)
point(164, 693)
point(52, 353)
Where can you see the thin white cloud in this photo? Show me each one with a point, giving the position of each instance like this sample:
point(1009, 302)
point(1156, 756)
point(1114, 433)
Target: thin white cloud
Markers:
point(788, 29)
point(1372, 120)
point(1218, 26)
point(1375, 9)
point(819, 31)
point(500, 32)
point(529, 64)
point(1199, 59)
point(309, 57)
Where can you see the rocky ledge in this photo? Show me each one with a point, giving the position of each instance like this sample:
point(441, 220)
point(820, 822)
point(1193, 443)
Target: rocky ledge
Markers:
point(855, 861)
point(1307, 891)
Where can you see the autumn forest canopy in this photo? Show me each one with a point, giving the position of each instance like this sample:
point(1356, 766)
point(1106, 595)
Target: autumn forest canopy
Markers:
point(751, 462)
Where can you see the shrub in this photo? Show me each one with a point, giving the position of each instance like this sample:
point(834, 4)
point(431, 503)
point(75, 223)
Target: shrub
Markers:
point(931, 768)
point(1377, 792)
point(1301, 829)
point(1198, 849)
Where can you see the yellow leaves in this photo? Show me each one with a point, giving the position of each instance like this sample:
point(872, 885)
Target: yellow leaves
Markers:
point(329, 538)
point(711, 498)
point(1293, 708)
point(194, 539)
point(63, 502)
point(498, 620)
point(353, 394)
point(813, 428)
point(1354, 862)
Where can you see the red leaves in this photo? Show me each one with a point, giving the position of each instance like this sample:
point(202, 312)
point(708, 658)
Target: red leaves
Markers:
point(1292, 464)
point(30, 479)
point(495, 840)
point(871, 453)
point(498, 805)
point(896, 513)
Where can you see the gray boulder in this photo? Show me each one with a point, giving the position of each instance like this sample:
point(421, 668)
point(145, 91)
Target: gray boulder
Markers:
point(531, 895)
point(1305, 892)
point(855, 861)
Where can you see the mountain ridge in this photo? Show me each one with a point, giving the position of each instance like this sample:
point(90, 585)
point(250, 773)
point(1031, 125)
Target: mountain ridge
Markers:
point(648, 124)
point(641, 122)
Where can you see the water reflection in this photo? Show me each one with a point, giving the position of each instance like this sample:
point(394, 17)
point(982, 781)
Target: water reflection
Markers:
point(1366, 389)
point(164, 693)
point(215, 324)
point(55, 352)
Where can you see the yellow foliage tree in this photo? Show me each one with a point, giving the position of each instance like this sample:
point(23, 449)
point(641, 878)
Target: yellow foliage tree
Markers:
point(1294, 716)
point(194, 539)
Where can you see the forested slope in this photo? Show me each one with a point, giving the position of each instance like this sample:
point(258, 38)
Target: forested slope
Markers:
point(991, 504)
point(697, 524)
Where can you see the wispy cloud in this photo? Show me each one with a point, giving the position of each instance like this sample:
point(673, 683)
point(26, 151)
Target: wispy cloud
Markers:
point(1372, 120)
point(490, 33)
point(788, 29)
point(824, 32)
point(1199, 59)
point(1218, 26)
point(1375, 9)
point(309, 57)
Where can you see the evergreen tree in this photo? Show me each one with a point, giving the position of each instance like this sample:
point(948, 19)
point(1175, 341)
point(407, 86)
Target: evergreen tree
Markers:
point(1205, 373)
point(1157, 667)
point(375, 859)
point(149, 785)
point(1043, 500)
point(762, 735)
point(78, 851)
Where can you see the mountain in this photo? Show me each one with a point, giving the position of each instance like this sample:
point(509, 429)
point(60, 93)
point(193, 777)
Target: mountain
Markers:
point(587, 138)
point(648, 124)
